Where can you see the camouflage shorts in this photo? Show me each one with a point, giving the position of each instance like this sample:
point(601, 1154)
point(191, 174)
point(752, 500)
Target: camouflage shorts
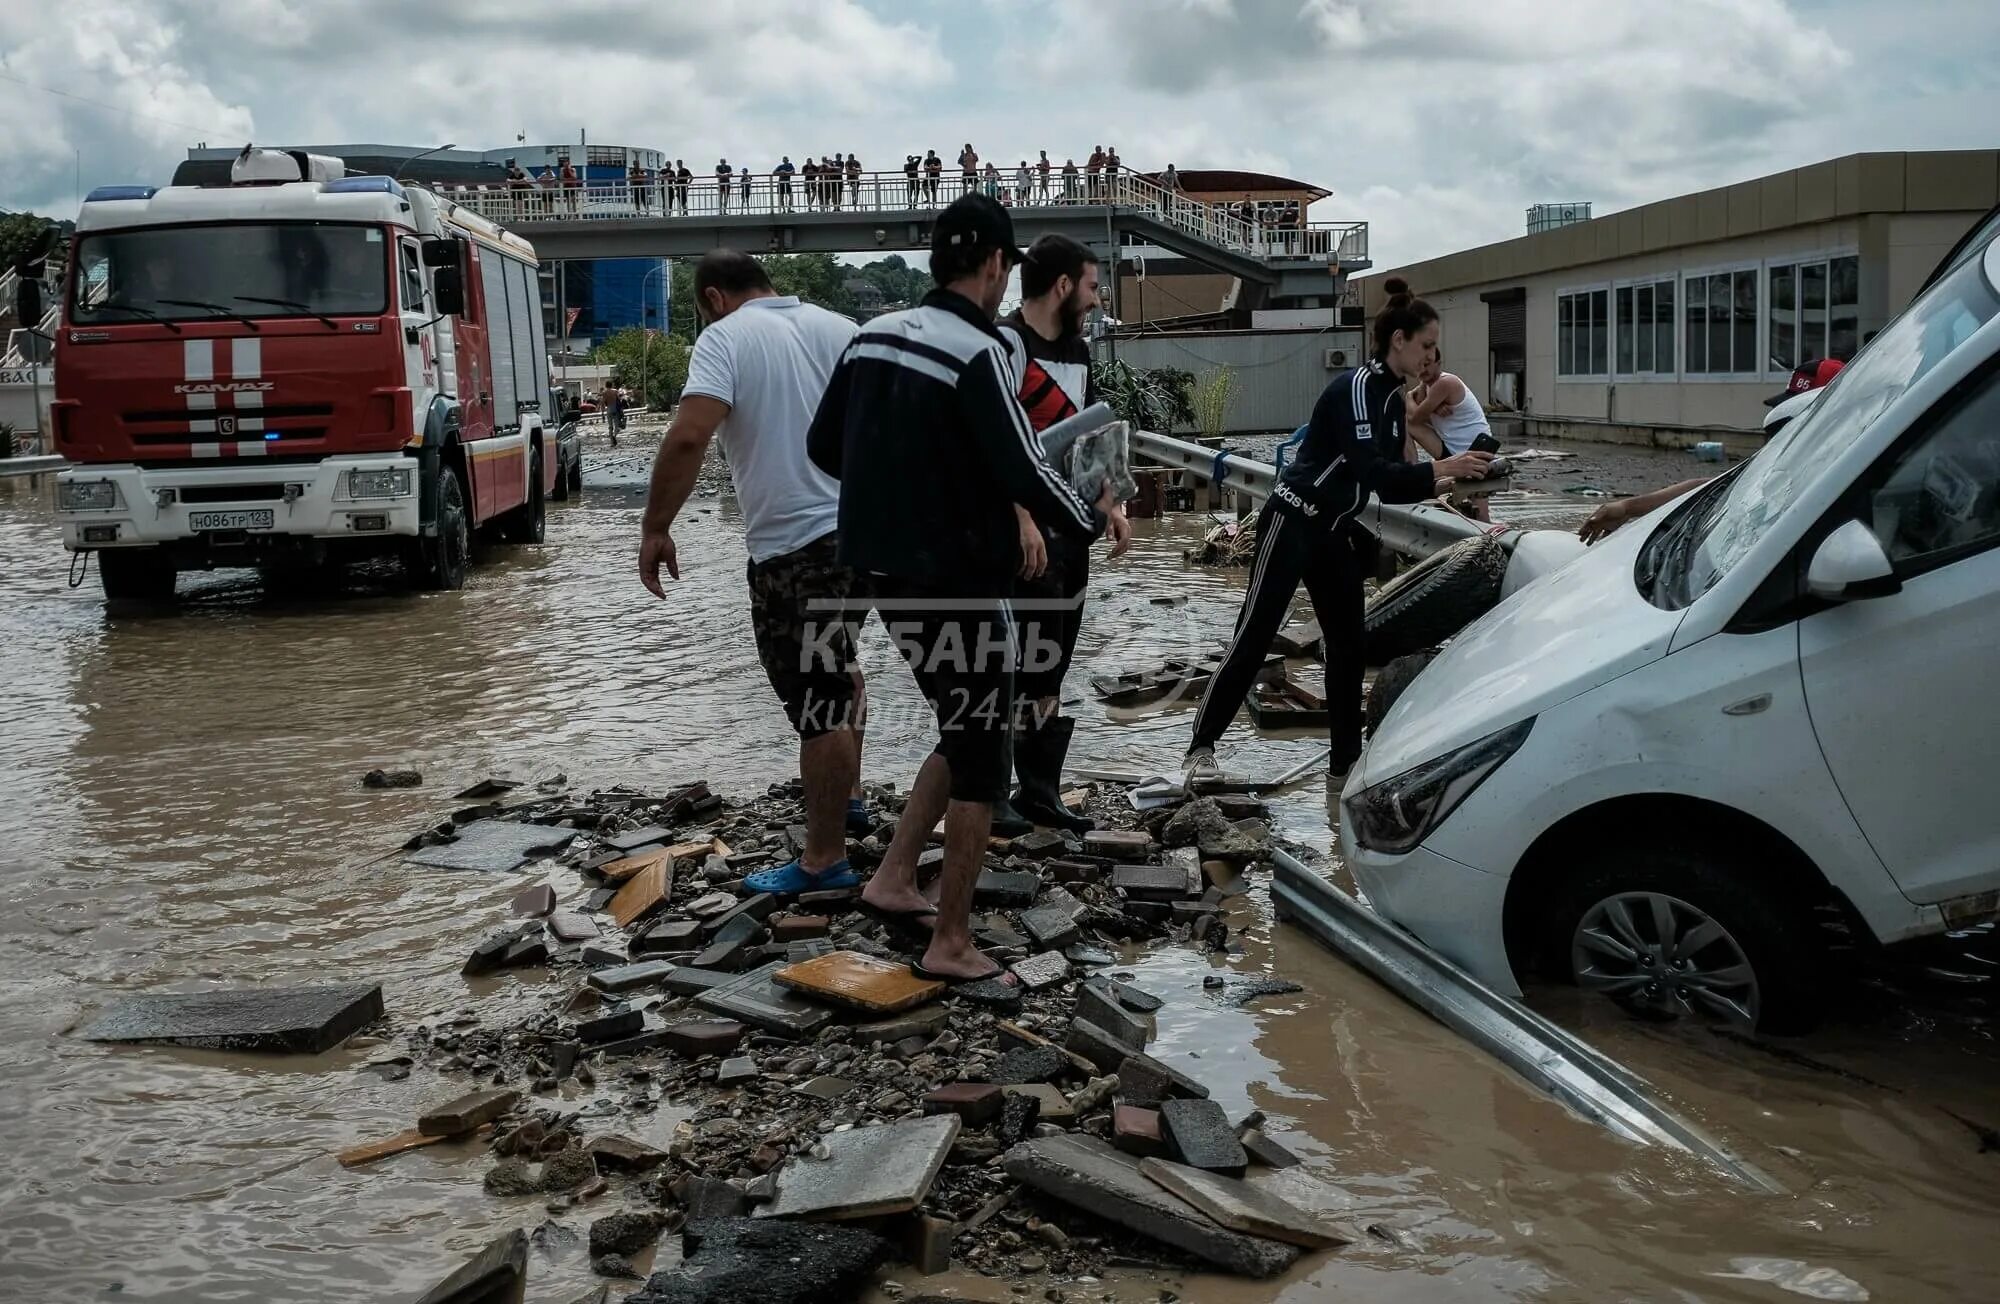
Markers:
point(806, 609)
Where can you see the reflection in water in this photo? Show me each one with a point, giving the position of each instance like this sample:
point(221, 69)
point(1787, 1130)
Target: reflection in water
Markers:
point(183, 809)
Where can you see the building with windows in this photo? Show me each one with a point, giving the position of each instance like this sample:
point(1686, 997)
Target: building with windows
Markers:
point(1675, 319)
point(584, 302)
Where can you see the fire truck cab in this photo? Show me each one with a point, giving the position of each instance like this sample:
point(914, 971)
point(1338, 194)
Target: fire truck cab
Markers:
point(298, 366)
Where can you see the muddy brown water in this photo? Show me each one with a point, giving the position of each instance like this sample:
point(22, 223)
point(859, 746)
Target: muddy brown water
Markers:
point(181, 808)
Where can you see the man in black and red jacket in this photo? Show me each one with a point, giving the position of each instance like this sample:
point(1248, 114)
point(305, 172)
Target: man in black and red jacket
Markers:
point(921, 426)
point(1052, 365)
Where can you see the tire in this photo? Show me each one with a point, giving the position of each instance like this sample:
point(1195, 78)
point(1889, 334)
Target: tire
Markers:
point(135, 575)
point(1389, 683)
point(560, 494)
point(1434, 599)
point(529, 523)
point(440, 562)
point(576, 472)
point(1765, 928)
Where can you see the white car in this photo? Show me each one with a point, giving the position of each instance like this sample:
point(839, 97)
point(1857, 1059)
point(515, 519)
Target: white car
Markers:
point(1766, 713)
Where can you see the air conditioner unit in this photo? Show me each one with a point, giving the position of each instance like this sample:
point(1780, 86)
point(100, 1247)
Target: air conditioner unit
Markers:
point(1335, 359)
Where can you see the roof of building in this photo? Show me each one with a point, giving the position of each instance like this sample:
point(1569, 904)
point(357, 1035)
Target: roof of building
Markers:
point(1918, 181)
point(1208, 179)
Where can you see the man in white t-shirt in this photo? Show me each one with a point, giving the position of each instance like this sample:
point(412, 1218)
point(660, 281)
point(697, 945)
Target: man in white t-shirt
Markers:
point(755, 379)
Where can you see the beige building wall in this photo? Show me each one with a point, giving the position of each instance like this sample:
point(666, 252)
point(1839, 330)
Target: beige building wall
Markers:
point(1896, 213)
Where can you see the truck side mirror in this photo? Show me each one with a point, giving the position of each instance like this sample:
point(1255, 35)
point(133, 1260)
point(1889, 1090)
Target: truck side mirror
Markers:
point(1851, 564)
point(444, 253)
point(28, 301)
point(448, 291)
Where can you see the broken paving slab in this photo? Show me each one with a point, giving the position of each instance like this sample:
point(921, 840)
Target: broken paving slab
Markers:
point(1143, 1080)
point(860, 982)
point(1101, 1048)
point(868, 1171)
point(1264, 1149)
point(534, 902)
point(1010, 889)
point(571, 926)
point(494, 846)
point(1199, 1134)
point(1151, 882)
point(756, 999)
point(925, 1021)
point(1051, 926)
point(733, 1260)
point(1241, 1207)
point(1043, 970)
point(622, 1154)
point(1118, 844)
point(630, 977)
point(637, 838)
point(290, 1020)
point(1087, 1173)
point(1055, 1106)
point(467, 1113)
point(498, 1274)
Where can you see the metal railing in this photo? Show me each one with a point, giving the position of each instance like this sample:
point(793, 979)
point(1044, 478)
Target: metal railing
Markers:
point(23, 346)
point(763, 194)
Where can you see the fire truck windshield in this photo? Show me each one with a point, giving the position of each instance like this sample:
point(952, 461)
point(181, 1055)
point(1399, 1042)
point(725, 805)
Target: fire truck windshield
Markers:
point(279, 269)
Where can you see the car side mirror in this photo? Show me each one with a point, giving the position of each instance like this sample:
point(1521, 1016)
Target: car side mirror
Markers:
point(28, 307)
point(448, 292)
point(1851, 564)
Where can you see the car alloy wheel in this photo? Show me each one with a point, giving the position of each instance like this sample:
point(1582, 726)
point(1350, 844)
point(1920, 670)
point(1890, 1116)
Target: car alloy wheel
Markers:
point(1663, 957)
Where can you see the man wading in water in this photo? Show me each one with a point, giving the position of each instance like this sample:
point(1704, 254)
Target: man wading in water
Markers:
point(755, 378)
point(1354, 447)
point(1052, 372)
point(932, 450)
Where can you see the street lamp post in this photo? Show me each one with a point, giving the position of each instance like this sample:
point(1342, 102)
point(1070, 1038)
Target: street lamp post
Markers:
point(414, 157)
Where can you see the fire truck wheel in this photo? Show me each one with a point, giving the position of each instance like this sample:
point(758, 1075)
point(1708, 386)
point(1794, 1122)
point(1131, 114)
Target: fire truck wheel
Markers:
point(441, 562)
point(529, 522)
point(135, 575)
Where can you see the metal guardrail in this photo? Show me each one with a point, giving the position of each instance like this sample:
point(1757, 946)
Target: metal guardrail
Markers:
point(1569, 1069)
point(1410, 530)
point(39, 465)
point(764, 194)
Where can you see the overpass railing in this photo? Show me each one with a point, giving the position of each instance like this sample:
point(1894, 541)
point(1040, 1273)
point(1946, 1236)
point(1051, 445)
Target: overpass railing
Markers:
point(763, 194)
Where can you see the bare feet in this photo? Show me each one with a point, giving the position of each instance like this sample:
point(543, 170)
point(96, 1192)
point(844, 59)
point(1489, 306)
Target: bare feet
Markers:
point(887, 892)
point(963, 960)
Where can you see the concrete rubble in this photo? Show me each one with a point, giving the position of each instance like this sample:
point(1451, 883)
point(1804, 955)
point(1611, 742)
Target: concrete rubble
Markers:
point(839, 1112)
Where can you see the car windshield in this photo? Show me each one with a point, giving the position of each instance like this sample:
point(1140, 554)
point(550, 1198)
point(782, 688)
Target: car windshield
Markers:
point(1717, 527)
point(279, 269)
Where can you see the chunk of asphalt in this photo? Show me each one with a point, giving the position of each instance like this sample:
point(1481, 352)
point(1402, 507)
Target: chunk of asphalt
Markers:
point(1025, 1064)
point(1198, 1134)
point(766, 1261)
point(1087, 1173)
point(1143, 1080)
point(497, 1273)
point(290, 1020)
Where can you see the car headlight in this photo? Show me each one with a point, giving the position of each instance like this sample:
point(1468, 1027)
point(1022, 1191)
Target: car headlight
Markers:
point(1397, 814)
point(391, 482)
point(86, 495)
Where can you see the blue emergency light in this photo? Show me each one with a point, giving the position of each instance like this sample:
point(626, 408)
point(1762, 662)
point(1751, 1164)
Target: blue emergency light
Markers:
point(362, 186)
point(120, 192)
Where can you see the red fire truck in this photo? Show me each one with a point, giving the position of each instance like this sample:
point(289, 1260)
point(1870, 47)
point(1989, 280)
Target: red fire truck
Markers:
point(296, 367)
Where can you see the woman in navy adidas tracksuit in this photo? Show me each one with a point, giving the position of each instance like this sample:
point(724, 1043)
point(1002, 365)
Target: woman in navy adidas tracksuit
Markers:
point(1307, 530)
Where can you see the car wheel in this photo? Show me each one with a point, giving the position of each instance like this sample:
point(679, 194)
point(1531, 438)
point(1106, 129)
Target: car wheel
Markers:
point(529, 523)
point(441, 562)
point(1671, 934)
point(560, 494)
point(135, 575)
point(576, 472)
point(1434, 599)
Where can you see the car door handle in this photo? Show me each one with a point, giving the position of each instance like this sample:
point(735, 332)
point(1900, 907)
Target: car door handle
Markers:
point(410, 334)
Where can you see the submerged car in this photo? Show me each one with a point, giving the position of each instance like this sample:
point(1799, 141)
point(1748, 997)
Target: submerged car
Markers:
point(1760, 721)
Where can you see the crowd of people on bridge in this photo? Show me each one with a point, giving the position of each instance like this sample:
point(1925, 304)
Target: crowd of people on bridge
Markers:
point(840, 181)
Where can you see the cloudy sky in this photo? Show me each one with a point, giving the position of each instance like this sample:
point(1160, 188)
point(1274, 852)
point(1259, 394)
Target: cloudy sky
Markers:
point(1438, 121)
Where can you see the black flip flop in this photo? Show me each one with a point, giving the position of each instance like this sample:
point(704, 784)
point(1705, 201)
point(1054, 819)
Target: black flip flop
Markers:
point(912, 921)
point(998, 974)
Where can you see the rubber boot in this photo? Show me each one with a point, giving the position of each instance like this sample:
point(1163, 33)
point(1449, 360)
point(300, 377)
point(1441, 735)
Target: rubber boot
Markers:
point(1039, 752)
point(1008, 822)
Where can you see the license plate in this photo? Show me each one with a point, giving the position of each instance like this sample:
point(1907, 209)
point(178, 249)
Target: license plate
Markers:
point(257, 519)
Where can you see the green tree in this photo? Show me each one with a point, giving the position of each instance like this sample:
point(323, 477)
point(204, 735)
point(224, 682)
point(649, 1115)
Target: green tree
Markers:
point(896, 279)
point(655, 371)
point(17, 232)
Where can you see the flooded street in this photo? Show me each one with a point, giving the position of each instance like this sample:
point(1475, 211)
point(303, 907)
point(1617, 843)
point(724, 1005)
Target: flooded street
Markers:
point(183, 808)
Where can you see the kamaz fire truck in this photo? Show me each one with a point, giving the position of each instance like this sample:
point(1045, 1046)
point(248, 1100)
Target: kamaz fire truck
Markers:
point(299, 366)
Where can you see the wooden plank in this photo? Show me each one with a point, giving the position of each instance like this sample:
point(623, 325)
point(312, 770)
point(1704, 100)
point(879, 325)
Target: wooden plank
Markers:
point(644, 893)
point(355, 1156)
point(618, 871)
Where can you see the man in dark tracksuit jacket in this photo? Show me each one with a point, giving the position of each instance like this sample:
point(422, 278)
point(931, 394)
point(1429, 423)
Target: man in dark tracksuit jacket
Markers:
point(1307, 530)
point(921, 426)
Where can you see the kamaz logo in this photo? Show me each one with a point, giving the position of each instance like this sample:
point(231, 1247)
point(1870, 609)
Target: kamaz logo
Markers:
point(225, 387)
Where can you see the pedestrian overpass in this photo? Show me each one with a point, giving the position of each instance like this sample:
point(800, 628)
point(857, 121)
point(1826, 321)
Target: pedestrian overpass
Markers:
point(889, 211)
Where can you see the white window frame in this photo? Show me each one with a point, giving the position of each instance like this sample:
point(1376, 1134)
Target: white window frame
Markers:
point(1756, 268)
point(1793, 260)
point(1635, 284)
point(1610, 334)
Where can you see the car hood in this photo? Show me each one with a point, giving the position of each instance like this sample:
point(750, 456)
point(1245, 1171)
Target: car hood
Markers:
point(1564, 634)
point(1794, 407)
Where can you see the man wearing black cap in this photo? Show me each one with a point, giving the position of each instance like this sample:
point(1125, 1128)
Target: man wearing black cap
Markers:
point(921, 426)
